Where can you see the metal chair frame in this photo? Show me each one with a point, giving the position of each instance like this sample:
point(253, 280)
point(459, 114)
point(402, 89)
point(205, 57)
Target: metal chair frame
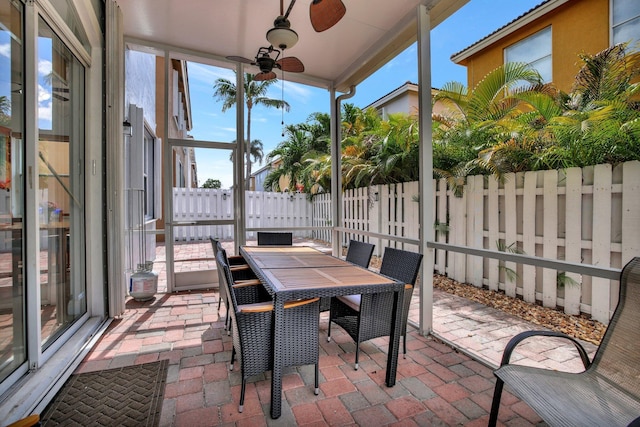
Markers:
point(606, 393)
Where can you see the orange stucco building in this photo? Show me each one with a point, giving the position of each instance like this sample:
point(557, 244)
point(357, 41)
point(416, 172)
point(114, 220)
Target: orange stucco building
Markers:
point(576, 26)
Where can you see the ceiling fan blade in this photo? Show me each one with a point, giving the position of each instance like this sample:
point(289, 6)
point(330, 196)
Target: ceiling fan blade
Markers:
point(264, 76)
point(290, 64)
point(241, 59)
point(325, 14)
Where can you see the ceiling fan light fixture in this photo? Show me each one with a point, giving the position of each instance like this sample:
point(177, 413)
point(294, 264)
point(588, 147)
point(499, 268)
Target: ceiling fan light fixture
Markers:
point(325, 14)
point(281, 35)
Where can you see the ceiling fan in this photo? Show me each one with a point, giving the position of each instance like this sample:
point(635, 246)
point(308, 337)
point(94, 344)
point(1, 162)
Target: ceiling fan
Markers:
point(266, 63)
point(324, 14)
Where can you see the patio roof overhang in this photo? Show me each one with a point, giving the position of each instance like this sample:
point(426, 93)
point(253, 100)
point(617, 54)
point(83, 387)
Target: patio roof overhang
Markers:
point(370, 34)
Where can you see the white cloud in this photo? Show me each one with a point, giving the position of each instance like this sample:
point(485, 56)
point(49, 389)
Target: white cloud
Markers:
point(45, 114)
point(296, 89)
point(44, 94)
point(207, 73)
point(44, 67)
point(5, 50)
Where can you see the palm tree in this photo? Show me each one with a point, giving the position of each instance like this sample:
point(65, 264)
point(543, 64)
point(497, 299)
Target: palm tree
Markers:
point(292, 152)
point(254, 94)
point(601, 123)
point(484, 118)
point(256, 149)
point(5, 110)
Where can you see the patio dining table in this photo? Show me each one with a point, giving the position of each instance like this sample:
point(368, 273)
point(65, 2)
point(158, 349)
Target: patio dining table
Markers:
point(298, 272)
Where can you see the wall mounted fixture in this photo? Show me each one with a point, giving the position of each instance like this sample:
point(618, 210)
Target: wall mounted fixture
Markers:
point(126, 128)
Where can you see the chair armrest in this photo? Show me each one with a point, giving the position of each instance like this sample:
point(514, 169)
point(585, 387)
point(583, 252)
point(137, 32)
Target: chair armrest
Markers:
point(243, 283)
point(513, 342)
point(298, 303)
point(261, 307)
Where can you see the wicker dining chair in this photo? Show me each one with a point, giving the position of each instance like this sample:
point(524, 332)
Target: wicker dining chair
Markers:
point(359, 253)
point(275, 238)
point(606, 393)
point(252, 330)
point(368, 316)
point(237, 263)
point(242, 273)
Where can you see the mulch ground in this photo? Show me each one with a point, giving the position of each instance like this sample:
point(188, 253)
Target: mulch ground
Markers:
point(577, 326)
point(581, 327)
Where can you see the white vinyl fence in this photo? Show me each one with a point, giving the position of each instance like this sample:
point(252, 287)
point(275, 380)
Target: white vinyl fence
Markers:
point(263, 210)
point(589, 215)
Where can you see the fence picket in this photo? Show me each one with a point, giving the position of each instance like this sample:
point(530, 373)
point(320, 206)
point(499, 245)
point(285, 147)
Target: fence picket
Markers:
point(550, 237)
point(510, 232)
point(529, 235)
point(573, 238)
point(459, 230)
point(442, 235)
point(630, 210)
point(601, 241)
point(494, 231)
point(475, 227)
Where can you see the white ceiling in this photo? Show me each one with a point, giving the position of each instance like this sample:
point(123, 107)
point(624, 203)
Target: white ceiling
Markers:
point(370, 34)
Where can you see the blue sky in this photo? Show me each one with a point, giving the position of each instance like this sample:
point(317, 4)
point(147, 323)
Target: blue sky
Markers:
point(478, 19)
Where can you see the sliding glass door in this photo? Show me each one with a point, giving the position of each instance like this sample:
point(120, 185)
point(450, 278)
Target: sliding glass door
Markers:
point(60, 151)
point(42, 188)
point(12, 279)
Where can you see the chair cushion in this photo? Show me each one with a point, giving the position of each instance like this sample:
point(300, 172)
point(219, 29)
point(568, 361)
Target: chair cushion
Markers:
point(352, 301)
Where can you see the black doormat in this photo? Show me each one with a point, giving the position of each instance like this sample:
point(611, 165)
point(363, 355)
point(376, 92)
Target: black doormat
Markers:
point(128, 396)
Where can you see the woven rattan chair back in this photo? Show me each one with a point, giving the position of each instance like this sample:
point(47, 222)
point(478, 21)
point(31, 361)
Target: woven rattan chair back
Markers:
point(222, 288)
point(252, 331)
point(401, 265)
point(618, 356)
point(360, 253)
point(373, 318)
point(275, 238)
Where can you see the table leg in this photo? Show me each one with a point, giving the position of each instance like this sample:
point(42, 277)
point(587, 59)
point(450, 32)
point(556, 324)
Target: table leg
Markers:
point(278, 342)
point(394, 339)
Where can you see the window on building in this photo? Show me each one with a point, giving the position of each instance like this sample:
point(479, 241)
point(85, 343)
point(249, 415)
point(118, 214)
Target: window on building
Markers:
point(535, 50)
point(625, 23)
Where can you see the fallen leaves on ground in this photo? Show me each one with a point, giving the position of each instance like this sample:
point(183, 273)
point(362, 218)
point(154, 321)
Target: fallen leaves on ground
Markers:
point(581, 327)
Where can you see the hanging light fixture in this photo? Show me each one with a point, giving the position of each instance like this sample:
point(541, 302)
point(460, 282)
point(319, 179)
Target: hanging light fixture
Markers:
point(281, 35)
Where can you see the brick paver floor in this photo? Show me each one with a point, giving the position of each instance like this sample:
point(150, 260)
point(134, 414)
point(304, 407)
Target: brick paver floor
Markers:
point(445, 379)
point(436, 385)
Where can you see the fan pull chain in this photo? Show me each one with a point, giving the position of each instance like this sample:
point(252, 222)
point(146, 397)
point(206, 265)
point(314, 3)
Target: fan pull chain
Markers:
point(282, 123)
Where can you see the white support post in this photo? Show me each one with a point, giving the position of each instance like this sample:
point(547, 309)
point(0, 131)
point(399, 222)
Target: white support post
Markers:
point(426, 170)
